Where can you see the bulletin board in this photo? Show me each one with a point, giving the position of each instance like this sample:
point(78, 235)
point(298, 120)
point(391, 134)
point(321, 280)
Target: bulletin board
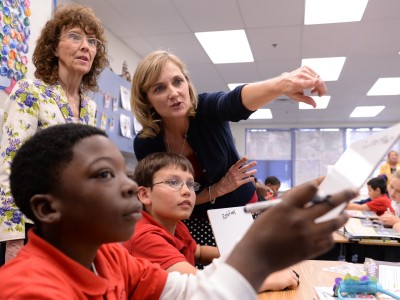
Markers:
point(14, 39)
point(113, 109)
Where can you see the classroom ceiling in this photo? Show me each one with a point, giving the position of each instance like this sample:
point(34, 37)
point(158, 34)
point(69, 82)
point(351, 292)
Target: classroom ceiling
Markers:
point(371, 46)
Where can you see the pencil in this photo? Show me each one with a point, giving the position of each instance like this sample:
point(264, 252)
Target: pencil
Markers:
point(258, 207)
point(261, 206)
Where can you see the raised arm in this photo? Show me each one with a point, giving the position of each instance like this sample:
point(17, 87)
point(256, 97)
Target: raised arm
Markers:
point(256, 95)
point(264, 249)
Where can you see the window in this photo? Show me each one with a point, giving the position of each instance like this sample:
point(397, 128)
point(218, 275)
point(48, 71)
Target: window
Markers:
point(299, 155)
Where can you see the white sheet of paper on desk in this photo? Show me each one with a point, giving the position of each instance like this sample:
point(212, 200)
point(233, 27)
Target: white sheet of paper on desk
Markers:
point(325, 293)
point(389, 278)
point(356, 165)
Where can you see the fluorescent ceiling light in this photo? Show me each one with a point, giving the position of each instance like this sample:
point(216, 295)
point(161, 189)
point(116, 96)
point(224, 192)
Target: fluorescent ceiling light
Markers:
point(322, 103)
point(232, 86)
point(328, 68)
point(334, 11)
point(385, 87)
point(224, 47)
point(263, 113)
point(366, 111)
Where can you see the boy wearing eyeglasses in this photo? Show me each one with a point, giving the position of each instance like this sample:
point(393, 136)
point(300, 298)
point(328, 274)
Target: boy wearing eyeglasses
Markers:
point(167, 191)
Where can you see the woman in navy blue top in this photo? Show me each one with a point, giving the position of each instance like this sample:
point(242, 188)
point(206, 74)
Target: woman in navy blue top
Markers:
point(175, 119)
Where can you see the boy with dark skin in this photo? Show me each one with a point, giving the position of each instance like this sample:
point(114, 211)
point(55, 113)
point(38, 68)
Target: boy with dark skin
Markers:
point(77, 192)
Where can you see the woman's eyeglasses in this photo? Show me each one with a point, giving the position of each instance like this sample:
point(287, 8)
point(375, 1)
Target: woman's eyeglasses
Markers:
point(178, 184)
point(76, 38)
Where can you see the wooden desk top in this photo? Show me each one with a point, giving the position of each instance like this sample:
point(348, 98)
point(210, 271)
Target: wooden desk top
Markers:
point(340, 239)
point(311, 275)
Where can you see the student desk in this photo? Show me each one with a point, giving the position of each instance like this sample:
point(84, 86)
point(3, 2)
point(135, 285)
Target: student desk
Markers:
point(372, 248)
point(311, 275)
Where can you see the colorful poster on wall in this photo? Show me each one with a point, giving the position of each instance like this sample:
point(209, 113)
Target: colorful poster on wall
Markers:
point(14, 39)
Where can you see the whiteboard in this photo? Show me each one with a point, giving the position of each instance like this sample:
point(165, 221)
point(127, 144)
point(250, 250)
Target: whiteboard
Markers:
point(229, 225)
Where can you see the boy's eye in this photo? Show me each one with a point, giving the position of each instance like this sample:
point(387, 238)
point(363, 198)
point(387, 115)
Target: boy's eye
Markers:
point(105, 174)
point(173, 182)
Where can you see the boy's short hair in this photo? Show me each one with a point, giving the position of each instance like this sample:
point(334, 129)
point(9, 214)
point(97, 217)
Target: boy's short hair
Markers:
point(148, 166)
point(272, 180)
point(378, 183)
point(37, 165)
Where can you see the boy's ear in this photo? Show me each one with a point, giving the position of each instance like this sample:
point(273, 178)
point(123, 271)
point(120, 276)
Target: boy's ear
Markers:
point(143, 195)
point(45, 208)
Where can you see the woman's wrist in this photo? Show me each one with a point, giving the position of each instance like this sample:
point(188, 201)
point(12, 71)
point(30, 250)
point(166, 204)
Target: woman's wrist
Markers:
point(217, 192)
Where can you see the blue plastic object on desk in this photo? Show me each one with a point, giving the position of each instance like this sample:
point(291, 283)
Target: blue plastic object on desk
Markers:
point(353, 285)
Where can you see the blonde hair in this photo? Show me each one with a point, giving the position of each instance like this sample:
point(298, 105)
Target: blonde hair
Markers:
point(147, 73)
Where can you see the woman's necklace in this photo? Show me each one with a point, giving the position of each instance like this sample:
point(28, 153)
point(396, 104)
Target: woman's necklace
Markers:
point(183, 143)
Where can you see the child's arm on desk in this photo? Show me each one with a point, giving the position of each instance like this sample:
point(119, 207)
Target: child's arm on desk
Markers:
point(284, 279)
point(389, 219)
point(396, 226)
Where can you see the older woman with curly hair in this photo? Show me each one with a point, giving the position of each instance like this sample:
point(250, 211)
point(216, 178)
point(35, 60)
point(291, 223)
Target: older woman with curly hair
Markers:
point(69, 56)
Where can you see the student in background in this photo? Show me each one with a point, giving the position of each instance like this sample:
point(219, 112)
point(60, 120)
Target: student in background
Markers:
point(175, 119)
point(273, 184)
point(391, 219)
point(261, 190)
point(167, 191)
point(69, 56)
point(77, 192)
point(380, 203)
point(391, 166)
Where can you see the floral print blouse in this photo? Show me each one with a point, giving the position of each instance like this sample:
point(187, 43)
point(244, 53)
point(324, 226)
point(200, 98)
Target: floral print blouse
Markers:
point(33, 105)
